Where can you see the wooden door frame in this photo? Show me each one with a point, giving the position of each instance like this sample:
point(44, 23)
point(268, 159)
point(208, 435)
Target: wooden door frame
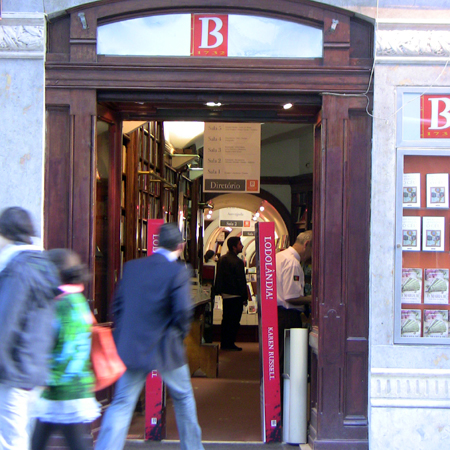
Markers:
point(76, 77)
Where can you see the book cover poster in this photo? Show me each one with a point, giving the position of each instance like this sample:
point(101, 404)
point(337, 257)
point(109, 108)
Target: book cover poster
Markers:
point(411, 233)
point(435, 323)
point(411, 285)
point(433, 234)
point(437, 190)
point(411, 190)
point(436, 286)
point(411, 322)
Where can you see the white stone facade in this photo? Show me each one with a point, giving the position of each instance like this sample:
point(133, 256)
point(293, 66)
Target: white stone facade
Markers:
point(409, 394)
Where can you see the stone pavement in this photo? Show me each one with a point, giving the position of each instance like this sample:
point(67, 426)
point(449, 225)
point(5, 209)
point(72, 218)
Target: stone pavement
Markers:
point(175, 445)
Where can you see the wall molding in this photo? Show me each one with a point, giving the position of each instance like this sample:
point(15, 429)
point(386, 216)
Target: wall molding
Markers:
point(410, 388)
point(22, 36)
point(403, 42)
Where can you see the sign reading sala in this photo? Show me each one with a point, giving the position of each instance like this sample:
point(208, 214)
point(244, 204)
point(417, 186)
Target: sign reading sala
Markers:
point(435, 116)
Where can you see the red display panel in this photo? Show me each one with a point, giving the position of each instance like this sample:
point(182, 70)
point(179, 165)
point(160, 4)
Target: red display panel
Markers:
point(435, 117)
point(209, 35)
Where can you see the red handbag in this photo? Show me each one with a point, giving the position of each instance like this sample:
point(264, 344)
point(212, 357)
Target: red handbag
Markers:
point(106, 362)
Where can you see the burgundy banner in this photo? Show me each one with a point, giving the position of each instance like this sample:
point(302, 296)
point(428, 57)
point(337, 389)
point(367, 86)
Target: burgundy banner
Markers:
point(268, 332)
point(155, 399)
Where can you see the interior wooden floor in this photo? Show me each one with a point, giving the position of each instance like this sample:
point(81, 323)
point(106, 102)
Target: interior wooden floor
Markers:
point(228, 407)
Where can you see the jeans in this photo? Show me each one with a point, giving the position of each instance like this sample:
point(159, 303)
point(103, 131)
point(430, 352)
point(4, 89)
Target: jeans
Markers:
point(116, 421)
point(14, 416)
point(77, 435)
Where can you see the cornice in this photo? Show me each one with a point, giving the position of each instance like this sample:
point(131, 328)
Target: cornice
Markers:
point(400, 42)
point(406, 388)
point(22, 36)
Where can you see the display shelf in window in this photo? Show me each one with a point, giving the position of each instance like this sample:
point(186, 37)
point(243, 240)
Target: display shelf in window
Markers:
point(422, 247)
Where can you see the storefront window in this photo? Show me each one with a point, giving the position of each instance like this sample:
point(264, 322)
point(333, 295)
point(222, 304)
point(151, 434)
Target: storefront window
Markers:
point(423, 217)
point(208, 35)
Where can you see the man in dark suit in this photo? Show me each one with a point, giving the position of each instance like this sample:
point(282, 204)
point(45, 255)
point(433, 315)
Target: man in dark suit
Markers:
point(231, 284)
point(152, 314)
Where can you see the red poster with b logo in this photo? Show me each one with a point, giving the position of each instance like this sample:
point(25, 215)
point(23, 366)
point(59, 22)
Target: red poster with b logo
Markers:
point(435, 117)
point(209, 35)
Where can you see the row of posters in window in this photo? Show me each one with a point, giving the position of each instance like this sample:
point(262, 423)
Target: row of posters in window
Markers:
point(435, 323)
point(434, 284)
point(437, 190)
point(430, 228)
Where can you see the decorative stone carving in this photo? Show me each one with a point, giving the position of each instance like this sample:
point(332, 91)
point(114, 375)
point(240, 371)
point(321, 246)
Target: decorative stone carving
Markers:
point(21, 38)
point(412, 387)
point(413, 43)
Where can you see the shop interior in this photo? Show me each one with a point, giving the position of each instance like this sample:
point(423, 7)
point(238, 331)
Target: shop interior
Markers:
point(158, 173)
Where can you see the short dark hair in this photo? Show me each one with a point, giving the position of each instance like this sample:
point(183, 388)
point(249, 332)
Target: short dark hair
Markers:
point(169, 237)
point(68, 263)
point(233, 242)
point(208, 255)
point(16, 225)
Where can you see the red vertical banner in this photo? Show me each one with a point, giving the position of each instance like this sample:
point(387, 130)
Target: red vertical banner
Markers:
point(209, 35)
point(155, 419)
point(268, 332)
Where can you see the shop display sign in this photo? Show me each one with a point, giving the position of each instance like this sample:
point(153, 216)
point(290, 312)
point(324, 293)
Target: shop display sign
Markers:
point(155, 398)
point(423, 118)
point(268, 332)
point(423, 247)
point(232, 157)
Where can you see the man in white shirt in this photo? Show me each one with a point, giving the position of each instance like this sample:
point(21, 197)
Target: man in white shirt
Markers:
point(291, 300)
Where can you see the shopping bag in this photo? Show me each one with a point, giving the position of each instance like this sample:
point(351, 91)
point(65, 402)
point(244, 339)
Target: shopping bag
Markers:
point(106, 362)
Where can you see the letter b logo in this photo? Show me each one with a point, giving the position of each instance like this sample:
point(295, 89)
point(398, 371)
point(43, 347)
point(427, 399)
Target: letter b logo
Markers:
point(209, 35)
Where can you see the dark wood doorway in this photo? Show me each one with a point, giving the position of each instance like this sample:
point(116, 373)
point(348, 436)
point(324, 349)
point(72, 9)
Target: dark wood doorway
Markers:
point(77, 78)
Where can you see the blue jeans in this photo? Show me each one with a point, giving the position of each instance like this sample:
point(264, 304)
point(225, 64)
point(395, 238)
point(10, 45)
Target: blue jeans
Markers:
point(116, 421)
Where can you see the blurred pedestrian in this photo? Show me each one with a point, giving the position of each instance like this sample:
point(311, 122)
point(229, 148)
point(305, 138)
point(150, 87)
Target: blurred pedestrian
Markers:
point(152, 314)
point(28, 285)
point(68, 402)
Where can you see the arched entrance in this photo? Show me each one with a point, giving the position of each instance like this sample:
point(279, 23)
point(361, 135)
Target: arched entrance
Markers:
point(77, 78)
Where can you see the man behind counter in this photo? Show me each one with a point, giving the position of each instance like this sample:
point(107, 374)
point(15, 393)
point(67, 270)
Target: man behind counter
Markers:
point(291, 300)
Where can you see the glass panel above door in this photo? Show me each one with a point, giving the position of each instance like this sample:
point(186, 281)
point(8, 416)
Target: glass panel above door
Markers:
point(208, 35)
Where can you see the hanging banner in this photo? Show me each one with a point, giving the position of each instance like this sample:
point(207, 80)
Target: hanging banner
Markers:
point(232, 157)
point(155, 399)
point(268, 332)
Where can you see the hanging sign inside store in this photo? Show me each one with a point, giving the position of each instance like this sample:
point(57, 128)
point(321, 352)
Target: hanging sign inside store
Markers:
point(155, 398)
point(209, 35)
point(232, 157)
point(268, 332)
point(434, 117)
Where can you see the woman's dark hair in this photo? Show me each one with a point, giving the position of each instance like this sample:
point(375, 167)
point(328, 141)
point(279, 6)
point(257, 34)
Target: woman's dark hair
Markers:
point(16, 225)
point(68, 263)
point(208, 255)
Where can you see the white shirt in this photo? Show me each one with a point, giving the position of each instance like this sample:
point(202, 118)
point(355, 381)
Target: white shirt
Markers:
point(290, 278)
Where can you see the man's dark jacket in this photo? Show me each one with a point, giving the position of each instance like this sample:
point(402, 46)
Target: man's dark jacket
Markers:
point(152, 313)
point(28, 286)
point(230, 277)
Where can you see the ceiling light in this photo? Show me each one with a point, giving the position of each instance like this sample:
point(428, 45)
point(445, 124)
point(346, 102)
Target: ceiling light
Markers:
point(256, 214)
point(213, 104)
point(288, 106)
point(261, 208)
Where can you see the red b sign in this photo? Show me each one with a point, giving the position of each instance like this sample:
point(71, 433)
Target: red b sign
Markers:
point(209, 35)
point(435, 117)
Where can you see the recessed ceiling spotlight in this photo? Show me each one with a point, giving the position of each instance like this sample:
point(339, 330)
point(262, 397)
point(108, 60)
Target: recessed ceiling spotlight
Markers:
point(213, 104)
point(288, 106)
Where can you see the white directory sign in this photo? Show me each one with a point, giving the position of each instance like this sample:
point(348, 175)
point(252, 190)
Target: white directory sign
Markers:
point(232, 157)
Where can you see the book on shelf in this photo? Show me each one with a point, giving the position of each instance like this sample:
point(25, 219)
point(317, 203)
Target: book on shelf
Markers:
point(411, 322)
point(433, 234)
point(411, 285)
point(437, 190)
point(435, 323)
point(411, 190)
point(411, 233)
point(436, 286)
